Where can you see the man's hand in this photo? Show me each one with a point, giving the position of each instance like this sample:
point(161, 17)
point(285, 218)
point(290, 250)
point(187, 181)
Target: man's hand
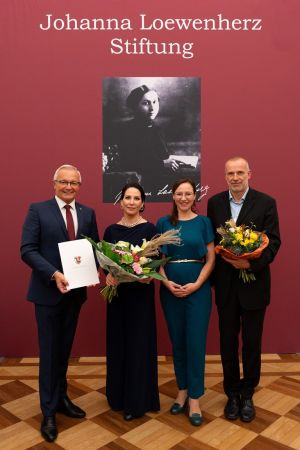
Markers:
point(238, 263)
point(61, 282)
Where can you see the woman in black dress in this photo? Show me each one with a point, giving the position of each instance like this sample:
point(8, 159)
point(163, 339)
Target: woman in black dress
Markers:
point(131, 382)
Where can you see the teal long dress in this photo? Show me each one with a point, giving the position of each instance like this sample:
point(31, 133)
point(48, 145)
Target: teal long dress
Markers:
point(187, 318)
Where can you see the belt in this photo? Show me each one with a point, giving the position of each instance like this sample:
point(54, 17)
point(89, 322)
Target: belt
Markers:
point(187, 261)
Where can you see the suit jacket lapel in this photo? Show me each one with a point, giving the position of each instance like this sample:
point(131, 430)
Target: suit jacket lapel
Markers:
point(225, 207)
point(247, 206)
point(79, 219)
point(58, 215)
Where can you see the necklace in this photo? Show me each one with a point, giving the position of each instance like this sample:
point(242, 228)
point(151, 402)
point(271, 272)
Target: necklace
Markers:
point(130, 225)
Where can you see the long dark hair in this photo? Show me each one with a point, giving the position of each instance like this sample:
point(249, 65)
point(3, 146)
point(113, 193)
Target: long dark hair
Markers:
point(136, 186)
point(174, 215)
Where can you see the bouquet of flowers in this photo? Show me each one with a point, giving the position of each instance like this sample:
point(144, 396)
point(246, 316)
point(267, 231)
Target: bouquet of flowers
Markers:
point(128, 263)
point(241, 242)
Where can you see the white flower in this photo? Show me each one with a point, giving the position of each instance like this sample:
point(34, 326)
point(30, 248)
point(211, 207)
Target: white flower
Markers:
point(144, 244)
point(135, 248)
point(230, 223)
point(143, 260)
point(121, 244)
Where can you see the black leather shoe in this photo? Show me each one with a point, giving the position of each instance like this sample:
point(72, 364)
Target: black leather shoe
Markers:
point(48, 429)
point(68, 408)
point(196, 419)
point(247, 411)
point(129, 416)
point(176, 408)
point(232, 408)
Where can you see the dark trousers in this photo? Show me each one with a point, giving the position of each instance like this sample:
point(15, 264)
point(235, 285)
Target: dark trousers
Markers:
point(233, 321)
point(56, 331)
point(187, 321)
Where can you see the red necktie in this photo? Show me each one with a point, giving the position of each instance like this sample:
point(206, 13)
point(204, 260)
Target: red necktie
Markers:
point(70, 223)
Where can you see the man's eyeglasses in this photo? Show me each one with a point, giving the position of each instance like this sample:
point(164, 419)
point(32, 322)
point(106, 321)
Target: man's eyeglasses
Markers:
point(67, 183)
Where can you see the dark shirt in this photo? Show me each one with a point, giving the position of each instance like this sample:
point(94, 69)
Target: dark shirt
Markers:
point(142, 148)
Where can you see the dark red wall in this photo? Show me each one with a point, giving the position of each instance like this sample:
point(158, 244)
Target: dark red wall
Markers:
point(51, 114)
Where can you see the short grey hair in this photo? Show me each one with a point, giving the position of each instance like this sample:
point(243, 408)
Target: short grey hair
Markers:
point(67, 167)
point(237, 158)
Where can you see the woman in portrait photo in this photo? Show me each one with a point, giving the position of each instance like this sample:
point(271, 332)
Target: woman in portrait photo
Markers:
point(151, 134)
point(142, 147)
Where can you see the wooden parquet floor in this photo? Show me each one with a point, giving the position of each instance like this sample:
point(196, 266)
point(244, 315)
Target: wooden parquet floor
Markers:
point(277, 400)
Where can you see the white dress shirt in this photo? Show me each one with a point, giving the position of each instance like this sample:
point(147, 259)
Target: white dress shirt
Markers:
point(235, 207)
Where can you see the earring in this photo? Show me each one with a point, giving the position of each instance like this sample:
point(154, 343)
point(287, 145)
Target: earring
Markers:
point(142, 208)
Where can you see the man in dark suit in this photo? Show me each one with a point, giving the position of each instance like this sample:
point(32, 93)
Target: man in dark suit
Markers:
point(241, 306)
point(56, 308)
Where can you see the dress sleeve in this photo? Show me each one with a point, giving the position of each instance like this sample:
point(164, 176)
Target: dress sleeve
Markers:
point(153, 230)
point(159, 225)
point(162, 226)
point(107, 235)
point(209, 234)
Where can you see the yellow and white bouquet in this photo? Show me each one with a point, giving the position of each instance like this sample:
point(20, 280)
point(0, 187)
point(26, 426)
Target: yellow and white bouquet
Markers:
point(241, 242)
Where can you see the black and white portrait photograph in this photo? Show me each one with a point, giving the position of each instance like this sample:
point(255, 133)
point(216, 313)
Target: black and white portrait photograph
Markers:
point(151, 134)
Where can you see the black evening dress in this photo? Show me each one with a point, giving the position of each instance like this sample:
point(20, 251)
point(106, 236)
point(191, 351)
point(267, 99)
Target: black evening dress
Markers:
point(131, 348)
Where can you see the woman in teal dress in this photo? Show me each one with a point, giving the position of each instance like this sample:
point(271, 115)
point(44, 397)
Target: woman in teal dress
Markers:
point(186, 295)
